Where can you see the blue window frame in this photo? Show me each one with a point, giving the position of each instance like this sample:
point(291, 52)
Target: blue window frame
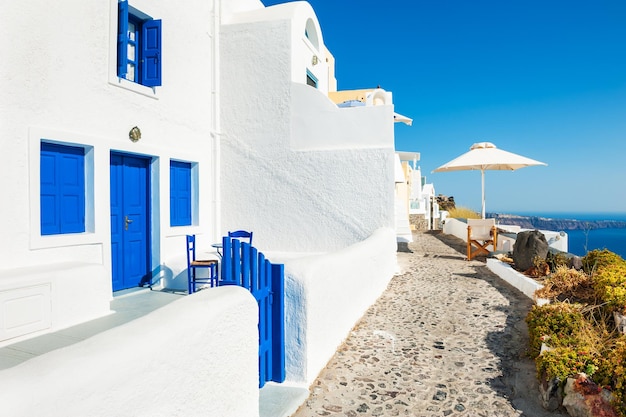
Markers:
point(62, 189)
point(180, 193)
point(311, 79)
point(138, 46)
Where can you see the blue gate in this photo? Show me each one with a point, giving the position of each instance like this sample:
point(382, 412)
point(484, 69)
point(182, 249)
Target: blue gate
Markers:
point(244, 265)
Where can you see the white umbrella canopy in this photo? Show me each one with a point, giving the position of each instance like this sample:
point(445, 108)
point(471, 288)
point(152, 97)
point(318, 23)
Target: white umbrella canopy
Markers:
point(483, 156)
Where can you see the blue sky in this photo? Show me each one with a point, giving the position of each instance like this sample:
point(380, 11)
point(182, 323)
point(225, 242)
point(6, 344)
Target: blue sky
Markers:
point(542, 78)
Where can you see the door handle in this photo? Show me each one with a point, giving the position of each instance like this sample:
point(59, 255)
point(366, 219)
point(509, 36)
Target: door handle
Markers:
point(127, 221)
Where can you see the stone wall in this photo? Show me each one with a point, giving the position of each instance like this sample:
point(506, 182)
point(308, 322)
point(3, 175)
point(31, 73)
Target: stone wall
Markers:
point(418, 222)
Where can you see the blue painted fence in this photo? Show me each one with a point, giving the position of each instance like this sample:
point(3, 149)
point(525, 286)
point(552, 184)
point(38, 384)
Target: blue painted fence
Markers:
point(245, 266)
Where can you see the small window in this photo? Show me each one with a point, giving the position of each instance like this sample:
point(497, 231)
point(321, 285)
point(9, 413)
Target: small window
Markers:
point(310, 32)
point(310, 79)
point(180, 193)
point(62, 189)
point(138, 46)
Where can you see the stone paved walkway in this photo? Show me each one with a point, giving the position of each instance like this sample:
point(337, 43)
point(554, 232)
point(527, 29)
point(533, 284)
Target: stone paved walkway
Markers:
point(447, 338)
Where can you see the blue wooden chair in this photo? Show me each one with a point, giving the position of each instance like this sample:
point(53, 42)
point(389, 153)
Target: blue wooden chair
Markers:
point(241, 234)
point(192, 264)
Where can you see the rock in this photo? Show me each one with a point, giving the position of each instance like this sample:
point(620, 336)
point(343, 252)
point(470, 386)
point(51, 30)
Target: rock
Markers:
point(445, 203)
point(620, 322)
point(583, 398)
point(332, 408)
point(575, 262)
point(440, 396)
point(551, 393)
point(529, 245)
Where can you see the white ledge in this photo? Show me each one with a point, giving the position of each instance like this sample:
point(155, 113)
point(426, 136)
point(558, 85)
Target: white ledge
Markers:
point(526, 285)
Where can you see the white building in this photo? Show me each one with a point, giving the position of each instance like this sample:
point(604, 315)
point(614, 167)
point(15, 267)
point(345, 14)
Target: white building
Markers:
point(417, 195)
point(70, 147)
point(304, 174)
point(142, 122)
point(312, 179)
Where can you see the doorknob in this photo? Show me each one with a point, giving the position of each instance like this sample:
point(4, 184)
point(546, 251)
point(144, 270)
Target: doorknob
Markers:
point(127, 221)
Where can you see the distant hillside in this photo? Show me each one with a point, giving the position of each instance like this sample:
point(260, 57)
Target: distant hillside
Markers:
point(535, 222)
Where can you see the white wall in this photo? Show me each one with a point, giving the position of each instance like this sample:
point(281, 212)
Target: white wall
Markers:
point(230, 8)
point(35, 300)
point(299, 17)
point(318, 124)
point(458, 228)
point(524, 284)
point(326, 294)
point(197, 356)
point(61, 85)
point(294, 170)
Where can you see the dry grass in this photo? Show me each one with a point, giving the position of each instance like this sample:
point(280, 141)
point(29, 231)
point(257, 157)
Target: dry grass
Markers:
point(463, 213)
point(567, 284)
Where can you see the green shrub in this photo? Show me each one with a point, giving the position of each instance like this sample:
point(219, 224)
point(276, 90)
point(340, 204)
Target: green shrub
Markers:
point(610, 285)
point(559, 323)
point(599, 258)
point(564, 362)
point(575, 345)
point(556, 260)
point(582, 337)
point(612, 372)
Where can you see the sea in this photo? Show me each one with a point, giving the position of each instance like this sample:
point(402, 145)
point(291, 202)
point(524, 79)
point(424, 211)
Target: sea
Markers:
point(582, 241)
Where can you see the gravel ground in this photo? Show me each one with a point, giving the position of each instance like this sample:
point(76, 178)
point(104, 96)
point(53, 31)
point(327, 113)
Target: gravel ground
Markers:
point(447, 338)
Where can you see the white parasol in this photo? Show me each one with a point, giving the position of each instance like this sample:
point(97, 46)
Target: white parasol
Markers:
point(483, 156)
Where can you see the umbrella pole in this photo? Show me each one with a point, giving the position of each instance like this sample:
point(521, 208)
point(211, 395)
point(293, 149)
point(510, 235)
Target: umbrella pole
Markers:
point(482, 178)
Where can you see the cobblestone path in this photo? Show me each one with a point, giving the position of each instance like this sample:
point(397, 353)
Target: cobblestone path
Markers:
point(447, 338)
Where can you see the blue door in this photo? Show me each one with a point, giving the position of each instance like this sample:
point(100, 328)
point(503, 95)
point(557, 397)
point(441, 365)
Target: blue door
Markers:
point(130, 251)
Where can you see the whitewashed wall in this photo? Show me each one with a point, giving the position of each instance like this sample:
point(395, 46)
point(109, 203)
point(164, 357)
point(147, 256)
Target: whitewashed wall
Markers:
point(326, 294)
point(306, 177)
point(230, 9)
point(281, 177)
point(61, 85)
point(317, 124)
point(299, 17)
point(197, 356)
point(458, 228)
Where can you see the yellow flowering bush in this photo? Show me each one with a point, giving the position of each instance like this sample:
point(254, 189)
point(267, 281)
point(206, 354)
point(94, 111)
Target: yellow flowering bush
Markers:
point(581, 337)
point(555, 324)
point(599, 258)
point(564, 362)
point(612, 373)
point(610, 285)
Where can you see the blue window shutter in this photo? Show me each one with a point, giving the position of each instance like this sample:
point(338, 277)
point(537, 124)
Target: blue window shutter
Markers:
point(122, 38)
point(73, 192)
point(180, 193)
point(49, 217)
point(173, 195)
point(151, 53)
point(62, 185)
